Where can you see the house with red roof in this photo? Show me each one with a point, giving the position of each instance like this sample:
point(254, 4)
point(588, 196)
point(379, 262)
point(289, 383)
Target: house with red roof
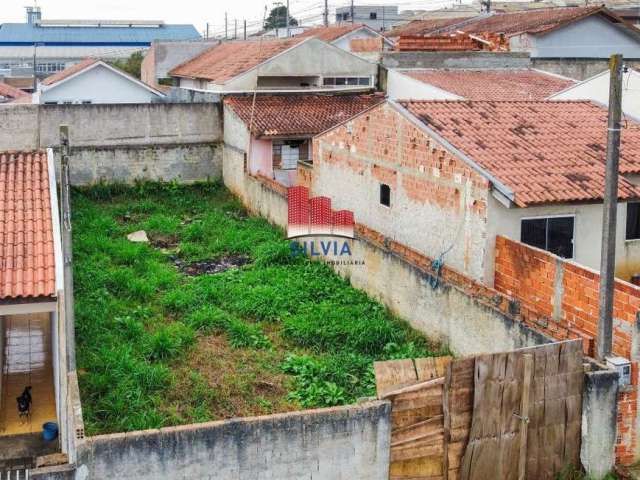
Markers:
point(274, 132)
point(468, 84)
point(559, 32)
point(9, 93)
point(355, 38)
point(446, 177)
point(32, 320)
point(94, 81)
point(286, 65)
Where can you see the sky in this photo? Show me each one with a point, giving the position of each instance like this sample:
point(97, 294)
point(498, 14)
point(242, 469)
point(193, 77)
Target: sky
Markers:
point(197, 12)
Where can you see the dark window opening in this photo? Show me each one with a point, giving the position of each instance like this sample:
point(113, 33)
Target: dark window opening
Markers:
point(373, 16)
point(385, 195)
point(552, 234)
point(633, 221)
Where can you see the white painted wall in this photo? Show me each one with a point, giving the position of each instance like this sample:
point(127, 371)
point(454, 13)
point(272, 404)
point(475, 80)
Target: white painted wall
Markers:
point(597, 89)
point(97, 85)
point(591, 37)
point(403, 87)
point(587, 233)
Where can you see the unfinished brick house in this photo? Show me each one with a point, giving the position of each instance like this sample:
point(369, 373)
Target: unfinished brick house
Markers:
point(447, 177)
point(508, 194)
point(283, 126)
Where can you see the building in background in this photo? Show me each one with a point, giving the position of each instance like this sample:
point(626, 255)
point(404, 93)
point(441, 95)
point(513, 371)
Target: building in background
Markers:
point(378, 17)
point(59, 44)
point(164, 56)
point(94, 81)
point(294, 64)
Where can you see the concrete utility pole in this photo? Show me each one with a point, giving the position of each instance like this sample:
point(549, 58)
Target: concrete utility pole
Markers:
point(326, 13)
point(287, 20)
point(610, 210)
point(353, 11)
point(226, 26)
point(235, 29)
point(35, 66)
point(67, 251)
point(207, 36)
point(245, 30)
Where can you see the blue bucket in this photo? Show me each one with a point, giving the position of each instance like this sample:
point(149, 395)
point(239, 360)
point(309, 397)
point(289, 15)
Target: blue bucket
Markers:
point(49, 431)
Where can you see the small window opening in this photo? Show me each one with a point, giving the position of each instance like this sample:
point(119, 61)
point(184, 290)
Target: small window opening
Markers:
point(385, 195)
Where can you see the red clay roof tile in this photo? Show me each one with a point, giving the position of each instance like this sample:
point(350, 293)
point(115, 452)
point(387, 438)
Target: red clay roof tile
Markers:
point(304, 115)
point(525, 84)
point(8, 91)
point(544, 151)
point(27, 264)
point(230, 59)
point(67, 72)
point(330, 34)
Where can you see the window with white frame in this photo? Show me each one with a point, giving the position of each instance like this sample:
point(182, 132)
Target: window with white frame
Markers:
point(554, 234)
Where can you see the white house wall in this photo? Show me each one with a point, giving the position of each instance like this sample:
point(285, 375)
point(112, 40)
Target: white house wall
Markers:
point(98, 85)
point(592, 37)
point(403, 87)
point(597, 89)
point(587, 233)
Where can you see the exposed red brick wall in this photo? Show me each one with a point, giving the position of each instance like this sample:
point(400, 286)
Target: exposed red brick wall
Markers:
point(364, 45)
point(410, 43)
point(148, 68)
point(529, 275)
point(391, 142)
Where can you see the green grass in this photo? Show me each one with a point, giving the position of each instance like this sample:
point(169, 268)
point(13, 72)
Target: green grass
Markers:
point(158, 348)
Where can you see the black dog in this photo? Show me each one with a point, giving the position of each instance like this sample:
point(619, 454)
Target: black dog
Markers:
point(24, 403)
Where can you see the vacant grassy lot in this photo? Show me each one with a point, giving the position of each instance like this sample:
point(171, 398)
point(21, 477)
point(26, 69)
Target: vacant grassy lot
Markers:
point(160, 345)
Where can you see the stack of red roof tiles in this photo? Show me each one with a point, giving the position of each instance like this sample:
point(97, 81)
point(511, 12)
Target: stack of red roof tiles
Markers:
point(27, 264)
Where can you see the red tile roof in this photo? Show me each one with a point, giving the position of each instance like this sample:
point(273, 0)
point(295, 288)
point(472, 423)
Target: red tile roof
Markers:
point(543, 151)
point(330, 34)
point(424, 27)
point(67, 72)
point(503, 84)
point(299, 115)
point(8, 91)
point(512, 23)
point(230, 59)
point(27, 265)
point(529, 21)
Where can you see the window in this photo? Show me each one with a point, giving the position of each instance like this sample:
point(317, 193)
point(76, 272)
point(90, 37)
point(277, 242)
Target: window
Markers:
point(385, 195)
point(350, 81)
point(373, 16)
point(287, 154)
point(633, 221)
point(554, 234)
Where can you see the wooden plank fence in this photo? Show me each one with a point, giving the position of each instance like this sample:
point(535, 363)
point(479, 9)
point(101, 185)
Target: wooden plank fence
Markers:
point(514, 415)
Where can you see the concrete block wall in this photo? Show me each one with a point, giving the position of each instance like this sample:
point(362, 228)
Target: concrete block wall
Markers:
point(341, 443)
point(169, 141)
point(560, 298)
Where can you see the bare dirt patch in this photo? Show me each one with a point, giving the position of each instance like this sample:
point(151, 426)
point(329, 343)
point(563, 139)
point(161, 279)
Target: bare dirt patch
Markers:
point(209, 267)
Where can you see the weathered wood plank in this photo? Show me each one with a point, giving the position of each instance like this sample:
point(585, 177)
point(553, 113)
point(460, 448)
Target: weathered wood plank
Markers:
point(393, 374)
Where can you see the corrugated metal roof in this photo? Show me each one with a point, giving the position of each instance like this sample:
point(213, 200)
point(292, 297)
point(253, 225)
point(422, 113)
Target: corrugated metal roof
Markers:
point(66, 53)
point(15, 34)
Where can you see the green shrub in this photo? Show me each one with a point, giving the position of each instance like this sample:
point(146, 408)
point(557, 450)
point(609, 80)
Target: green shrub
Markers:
point(170, 341)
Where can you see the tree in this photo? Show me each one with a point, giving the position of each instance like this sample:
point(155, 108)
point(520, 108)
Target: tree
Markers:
point(131, 65)
point(277, 19)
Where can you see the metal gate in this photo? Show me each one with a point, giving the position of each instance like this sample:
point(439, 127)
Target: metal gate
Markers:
point(511, 415)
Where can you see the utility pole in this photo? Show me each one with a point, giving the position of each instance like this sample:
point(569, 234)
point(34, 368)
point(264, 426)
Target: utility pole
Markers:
point(245, 30)
point(610, 210)
point(235, 28)
point(67, 252)
point(207, 36)
point(326, 13)
point(226, 26)
point(287, 19)
point(353, 11)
